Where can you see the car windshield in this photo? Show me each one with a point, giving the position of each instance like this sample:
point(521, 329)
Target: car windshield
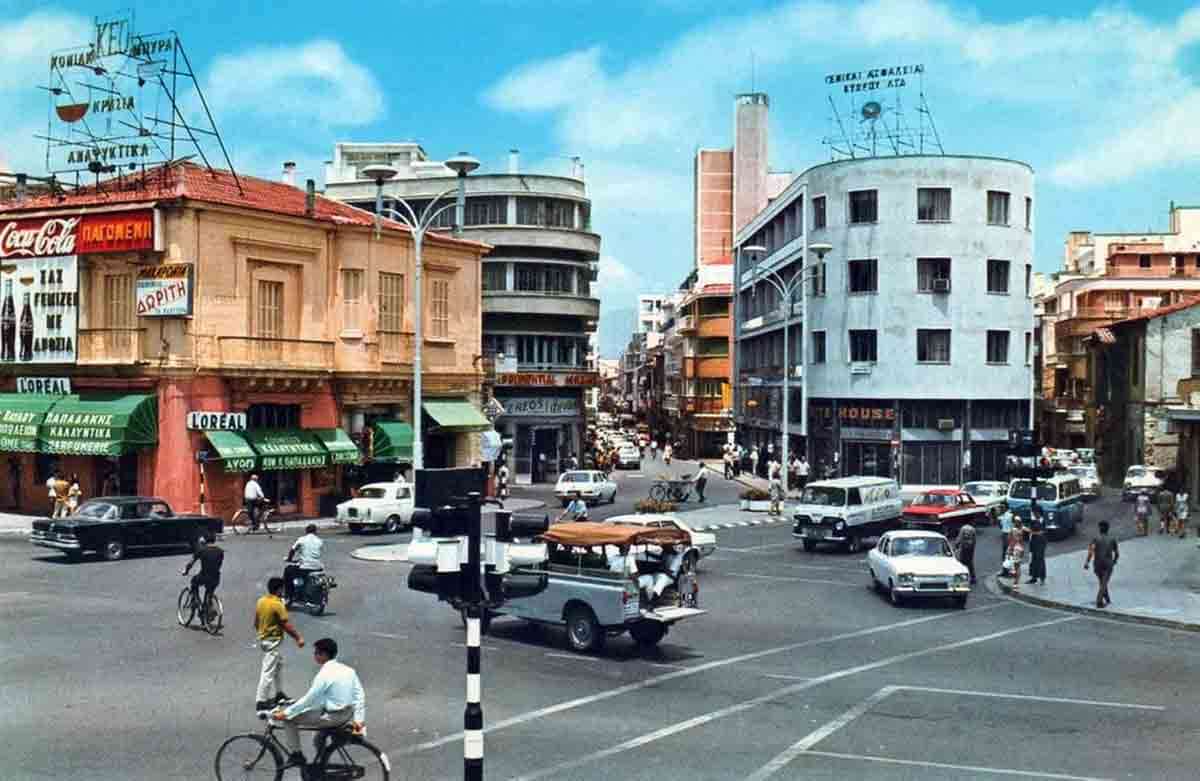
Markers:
point(1135, 471)
point(976, 489)
point(373, 493)
point(1023, 489)
point(577, 477)
point(920, 546)
point(98, 510)
point(826, 496)
point(934, 500)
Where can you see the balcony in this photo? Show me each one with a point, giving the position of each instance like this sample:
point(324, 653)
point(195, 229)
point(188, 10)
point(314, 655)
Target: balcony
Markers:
point(714, 326)
point(101, 346)
point(685, 324)
point(704, 405)
point(538, 302)
point(262, 353)
point(529, 236)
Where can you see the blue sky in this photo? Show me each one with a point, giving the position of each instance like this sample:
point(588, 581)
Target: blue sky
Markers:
point(1101, 99)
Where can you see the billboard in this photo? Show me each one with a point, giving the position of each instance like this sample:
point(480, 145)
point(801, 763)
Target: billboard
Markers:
point(39, 310)
point(165, 290)
point(42, 237)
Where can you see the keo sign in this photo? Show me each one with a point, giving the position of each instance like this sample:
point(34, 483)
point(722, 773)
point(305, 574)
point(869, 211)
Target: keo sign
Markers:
point(165, 290)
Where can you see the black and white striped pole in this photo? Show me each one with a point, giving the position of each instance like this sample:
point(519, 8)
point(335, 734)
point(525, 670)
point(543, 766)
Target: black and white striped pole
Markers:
point(473, 597)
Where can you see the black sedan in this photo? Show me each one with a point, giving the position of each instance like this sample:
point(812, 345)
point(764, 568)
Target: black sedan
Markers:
point(112, 525)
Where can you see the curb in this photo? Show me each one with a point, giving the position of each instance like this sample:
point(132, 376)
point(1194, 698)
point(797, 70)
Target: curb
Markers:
point(1129, 618)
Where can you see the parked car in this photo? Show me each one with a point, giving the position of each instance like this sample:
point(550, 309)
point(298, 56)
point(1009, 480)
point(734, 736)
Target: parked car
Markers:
point(1141, 479)
point(918, 564)
point(386, 506)
point(992, 494)
point(1089, 479)
point(1065, 459)
point(944, 510)
point(703, 543)
point(113, 525)
point(592, 486)
point(629, 456)
point(1087, 455)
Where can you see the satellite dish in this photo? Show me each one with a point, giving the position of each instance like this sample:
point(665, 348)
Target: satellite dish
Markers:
point(871, 110)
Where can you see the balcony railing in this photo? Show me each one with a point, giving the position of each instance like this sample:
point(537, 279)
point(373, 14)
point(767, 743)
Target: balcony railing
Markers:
point(704, 405)
point(264, 353)
point(396, 346)
point(110, 345)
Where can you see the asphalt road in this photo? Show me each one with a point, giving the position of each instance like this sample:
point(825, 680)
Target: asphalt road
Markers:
point(798, 670)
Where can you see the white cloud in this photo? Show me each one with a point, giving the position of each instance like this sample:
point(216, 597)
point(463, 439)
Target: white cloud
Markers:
point(301, 84)
point(616, 276)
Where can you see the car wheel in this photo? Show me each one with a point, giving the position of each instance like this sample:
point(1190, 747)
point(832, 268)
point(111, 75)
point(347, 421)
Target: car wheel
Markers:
point(113, 550)
point(809, 546)
point(392, 526)
point(894, 595)
point(583, 631)
point(647, 634)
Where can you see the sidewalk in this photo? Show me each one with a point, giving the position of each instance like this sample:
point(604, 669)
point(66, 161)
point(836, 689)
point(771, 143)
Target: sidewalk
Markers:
point(398, 551)
point(1156, 581)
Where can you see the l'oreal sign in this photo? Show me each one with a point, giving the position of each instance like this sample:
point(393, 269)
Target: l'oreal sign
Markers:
point(54, 386)
point(216, 421)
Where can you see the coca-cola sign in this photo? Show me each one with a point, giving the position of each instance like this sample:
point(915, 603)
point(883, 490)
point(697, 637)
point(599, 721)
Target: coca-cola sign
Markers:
point(46, 237)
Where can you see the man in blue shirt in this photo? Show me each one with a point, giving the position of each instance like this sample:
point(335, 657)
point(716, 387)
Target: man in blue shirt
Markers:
point(335, 698)
point(575, 511)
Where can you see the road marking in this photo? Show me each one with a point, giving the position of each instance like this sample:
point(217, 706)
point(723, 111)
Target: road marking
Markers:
point(975, 769)
point(574, 657)
point(389, 637)
point(786, 691)
point(787, 579)
point(754, 548)
point(783, 677)
point(657, 680)
point(805, 744)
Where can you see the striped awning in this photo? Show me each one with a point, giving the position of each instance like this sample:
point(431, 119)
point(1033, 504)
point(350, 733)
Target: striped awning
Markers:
point(1105, 336)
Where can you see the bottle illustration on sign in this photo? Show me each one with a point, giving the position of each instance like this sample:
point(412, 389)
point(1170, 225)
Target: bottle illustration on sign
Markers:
point(8, 325)
point(26, 331)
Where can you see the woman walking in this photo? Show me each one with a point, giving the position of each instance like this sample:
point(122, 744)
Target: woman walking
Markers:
point(1016, 551)
point(74, 495)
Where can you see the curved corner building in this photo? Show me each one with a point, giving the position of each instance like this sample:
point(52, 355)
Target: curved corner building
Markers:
point(918, 346)
point(539, 310)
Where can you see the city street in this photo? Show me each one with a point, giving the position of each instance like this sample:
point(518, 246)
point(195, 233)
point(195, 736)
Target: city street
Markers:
point(797, 670)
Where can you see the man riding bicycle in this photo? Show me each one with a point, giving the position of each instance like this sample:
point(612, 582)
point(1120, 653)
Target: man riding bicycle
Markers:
point(253, 499)
point(210, 557)
point(335, 699)
point(306, 552)
point(576, 510)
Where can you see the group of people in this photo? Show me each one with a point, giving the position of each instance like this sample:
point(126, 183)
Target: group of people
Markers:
point(1173, 512)
point(64, 495)
point(1017, 539)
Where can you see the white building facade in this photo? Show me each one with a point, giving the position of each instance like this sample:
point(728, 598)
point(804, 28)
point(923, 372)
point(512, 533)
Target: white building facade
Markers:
point(918, 347)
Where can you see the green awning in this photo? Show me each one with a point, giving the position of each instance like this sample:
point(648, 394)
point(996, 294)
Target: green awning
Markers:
point(456, 415)
point(21, 415)
point(287, 448)
point(341, 447)
point(392, 441)
point(233, 451)
point(100, 425)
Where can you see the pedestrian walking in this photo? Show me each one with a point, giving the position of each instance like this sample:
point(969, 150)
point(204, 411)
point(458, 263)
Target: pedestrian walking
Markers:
point(667, 453)
point(1037, 553)
point(775, 492)
point(270, 623)
point(61, 490)
point(803, 468)
point(502, 475)
point(727, 459)
point(754, 461)
point(701, 480)
point(1165, 501)
point(51, 494)
point(1103, 550)
point(74, 495)
point(793, 469)
point(1016, 551)
point(966, 548)
point(1141, 514)
point(1005, 528)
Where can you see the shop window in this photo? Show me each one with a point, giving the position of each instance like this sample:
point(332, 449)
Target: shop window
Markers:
point(495, 276)
point(352, 298)
point(933, 345)
point(997, 346)
point(391, 312)
point(439, 309)
point(997, 276)
point(997, 207)
point(864, 206)
point(273, 416)
point(933, 204)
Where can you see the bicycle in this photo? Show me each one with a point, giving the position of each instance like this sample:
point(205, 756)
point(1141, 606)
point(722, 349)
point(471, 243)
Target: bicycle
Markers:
point(212, 613)
point(240, 522)
point(342, 755)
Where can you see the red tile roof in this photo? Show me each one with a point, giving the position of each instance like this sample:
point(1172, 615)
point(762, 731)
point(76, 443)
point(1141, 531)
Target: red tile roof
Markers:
point(194, 182)
point(1158, 312)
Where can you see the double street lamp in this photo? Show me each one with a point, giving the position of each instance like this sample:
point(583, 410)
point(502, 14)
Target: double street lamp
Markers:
point(418, 224)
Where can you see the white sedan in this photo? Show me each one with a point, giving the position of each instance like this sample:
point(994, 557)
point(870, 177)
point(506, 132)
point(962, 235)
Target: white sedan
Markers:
point(593, 487)
point(387, 506)
point(911, 564)
point(703, 543)
point(992, 494)
point(629, 455)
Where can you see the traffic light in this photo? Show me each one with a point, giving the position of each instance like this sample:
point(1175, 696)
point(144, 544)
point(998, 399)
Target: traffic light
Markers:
point(506, 554)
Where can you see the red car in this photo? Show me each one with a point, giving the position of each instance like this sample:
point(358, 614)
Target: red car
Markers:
point(944, 510)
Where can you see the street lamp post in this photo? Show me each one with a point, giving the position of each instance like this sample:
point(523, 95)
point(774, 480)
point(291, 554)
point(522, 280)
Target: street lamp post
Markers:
point(462, 165)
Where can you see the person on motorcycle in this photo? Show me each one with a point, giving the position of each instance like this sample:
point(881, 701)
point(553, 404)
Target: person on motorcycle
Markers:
point(306, 555)
point(575, 511)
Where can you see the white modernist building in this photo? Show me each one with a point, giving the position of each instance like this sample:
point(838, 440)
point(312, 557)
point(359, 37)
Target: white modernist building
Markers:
point(917, 353)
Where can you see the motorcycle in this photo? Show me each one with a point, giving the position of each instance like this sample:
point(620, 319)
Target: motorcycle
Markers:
point(311, 590)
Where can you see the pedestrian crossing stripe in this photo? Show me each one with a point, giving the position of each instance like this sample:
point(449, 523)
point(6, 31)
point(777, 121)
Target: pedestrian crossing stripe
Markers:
point(739, 524)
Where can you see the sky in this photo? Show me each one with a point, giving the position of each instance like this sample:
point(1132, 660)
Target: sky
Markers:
point(1103, 100)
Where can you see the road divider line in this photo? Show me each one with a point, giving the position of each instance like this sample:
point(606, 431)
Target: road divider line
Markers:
point(658, 680)
point(1030, 697)
point(786, 691)
point(974, 769)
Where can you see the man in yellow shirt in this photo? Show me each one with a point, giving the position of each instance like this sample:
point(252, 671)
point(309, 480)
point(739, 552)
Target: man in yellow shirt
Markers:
point(270, 623)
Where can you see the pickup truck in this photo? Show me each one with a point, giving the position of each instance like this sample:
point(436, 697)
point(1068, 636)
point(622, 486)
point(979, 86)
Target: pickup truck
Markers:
point(606, 578)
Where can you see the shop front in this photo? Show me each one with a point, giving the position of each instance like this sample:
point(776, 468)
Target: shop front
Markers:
point(389, 450)
point(447, 426)
point(544, 431)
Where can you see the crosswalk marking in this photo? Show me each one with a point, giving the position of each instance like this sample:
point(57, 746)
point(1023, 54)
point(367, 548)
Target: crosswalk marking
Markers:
point(739, 524)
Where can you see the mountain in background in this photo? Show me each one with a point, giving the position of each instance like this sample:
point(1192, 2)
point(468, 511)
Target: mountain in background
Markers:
point(616, 325)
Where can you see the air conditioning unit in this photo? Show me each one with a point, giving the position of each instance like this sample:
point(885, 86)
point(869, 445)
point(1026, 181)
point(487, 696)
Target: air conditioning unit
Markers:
point(860, 368)
point(945, 424)
point(941, 285)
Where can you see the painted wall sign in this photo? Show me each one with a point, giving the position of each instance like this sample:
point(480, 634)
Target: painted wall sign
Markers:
point(58, 386)
point(165, 290)
point(216, 421)
point(540, 406)
point(549, 379)
point(50, 236)
point(39, 310)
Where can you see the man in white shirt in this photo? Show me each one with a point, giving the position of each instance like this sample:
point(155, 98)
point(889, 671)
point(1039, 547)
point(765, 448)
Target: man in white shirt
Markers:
point(803, 468)
point(335, 698)
point(252, 499)
point(303, 558)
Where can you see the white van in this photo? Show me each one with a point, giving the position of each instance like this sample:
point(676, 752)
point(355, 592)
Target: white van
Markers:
point(846, 510)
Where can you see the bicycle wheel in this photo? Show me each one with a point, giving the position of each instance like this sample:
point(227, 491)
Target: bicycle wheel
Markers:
point(214, 615)
point(240, 522)
point(658, 492)
point(186, 610)
point(353, 758)
point(247, 757)
point(266, 516)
